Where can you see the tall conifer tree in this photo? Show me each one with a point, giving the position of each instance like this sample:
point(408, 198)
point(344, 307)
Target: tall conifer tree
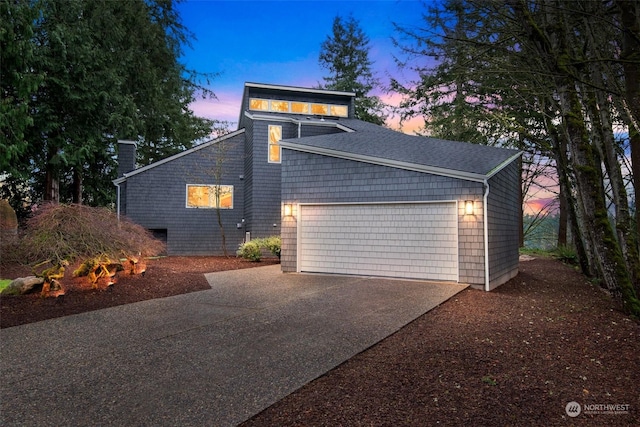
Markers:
point(345, 54)
point(105, 70)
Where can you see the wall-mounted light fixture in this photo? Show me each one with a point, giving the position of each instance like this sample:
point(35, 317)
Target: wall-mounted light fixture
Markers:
point(468, 207)
point(288, 209)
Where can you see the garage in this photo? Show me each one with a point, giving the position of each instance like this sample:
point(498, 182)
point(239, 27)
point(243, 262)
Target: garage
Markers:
point(407, 240)
point(375, 202)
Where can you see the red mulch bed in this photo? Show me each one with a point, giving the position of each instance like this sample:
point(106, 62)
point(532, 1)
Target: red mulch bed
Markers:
point(514, 356)
point(164, 277)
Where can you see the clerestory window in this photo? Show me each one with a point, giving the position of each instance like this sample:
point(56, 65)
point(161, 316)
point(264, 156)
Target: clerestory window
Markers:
point(294, 107)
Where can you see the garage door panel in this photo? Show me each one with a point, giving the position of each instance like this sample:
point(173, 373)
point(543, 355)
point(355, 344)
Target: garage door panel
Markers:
point(395, 240)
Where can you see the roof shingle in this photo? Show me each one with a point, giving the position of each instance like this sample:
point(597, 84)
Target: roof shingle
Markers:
point(376, 142)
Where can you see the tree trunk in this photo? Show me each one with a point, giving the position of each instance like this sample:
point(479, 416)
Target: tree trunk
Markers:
point(580, 241)
point(562, 216)
point(630, 56)
point(598, 108)
point(51, 184)
point(77, 186)
point(222, 233)
point(521, 216)
point(552, 42)
point(589, 180)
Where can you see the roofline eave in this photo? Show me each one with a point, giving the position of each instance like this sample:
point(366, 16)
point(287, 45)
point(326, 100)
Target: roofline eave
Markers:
point(468, 176)
point(504, 164)
point(306, 121)
point(124, 177)
point(298, 89)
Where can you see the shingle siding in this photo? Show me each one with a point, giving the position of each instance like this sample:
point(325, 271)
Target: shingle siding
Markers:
point(126, 157)
point(503, 224)
point(264, 194)
point(263, 190)
point(248, 175)
point(156, 199)
point(314, 130)
point(327, 163)
point(310, 178)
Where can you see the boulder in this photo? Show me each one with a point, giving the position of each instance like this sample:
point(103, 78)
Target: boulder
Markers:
point(22, 285)
point(8, 221)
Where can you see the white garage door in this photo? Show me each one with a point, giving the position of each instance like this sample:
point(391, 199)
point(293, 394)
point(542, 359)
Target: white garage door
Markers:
point(409, 240)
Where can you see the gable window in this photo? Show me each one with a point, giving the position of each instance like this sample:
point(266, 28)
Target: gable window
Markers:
point(210, 196)
point(275, 135)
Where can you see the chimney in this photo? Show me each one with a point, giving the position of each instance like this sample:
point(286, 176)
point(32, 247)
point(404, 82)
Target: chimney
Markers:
point(126, 157)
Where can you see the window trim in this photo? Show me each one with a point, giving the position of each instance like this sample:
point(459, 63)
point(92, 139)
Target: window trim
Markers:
point(210, 205)
point(332, 110)
point(276, 143)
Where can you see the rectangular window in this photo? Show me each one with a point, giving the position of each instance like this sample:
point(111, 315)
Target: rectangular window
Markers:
point(319, 109)
point(339, 110)
point(275, 135)
point(280, 106)
point(297, 107)
point(258, 104)
point(210, 196)
point(300, 107)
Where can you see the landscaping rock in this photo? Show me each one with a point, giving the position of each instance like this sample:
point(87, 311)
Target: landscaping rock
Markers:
point(22, 285)
point(8, 221)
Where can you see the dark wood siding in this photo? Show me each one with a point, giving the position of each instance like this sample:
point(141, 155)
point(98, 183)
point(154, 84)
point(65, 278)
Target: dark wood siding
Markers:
point(156, 199)
point(310, 178)
point(503, 223)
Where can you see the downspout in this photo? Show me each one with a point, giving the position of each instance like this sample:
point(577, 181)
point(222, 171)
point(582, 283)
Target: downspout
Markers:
point(299, 129)
point(486, 235)
point(118, 202)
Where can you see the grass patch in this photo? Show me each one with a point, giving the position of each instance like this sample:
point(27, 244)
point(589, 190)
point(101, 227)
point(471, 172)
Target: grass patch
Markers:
point(537, 252)
point(4, 283)
point(562, 253)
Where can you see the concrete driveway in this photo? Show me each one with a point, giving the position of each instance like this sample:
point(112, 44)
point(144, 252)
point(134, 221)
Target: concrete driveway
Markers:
point(214, 358)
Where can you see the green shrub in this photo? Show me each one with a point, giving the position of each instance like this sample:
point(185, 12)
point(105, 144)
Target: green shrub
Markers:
point(566, 254)
point(250, 250)
point(273, 243)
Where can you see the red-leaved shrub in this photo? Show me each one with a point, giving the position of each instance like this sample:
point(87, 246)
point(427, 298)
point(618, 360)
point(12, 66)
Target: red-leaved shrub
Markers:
point(73, 232)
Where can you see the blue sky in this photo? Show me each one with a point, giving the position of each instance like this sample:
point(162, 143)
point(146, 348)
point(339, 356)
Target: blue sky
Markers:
point(278, 42)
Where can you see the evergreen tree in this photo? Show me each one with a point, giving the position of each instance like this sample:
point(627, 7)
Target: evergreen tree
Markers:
point(18, 79)
point(107, 71)
point(550, 73)
point(345, 54)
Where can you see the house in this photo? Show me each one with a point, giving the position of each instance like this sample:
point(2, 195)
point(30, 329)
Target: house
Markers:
point(346, 196)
